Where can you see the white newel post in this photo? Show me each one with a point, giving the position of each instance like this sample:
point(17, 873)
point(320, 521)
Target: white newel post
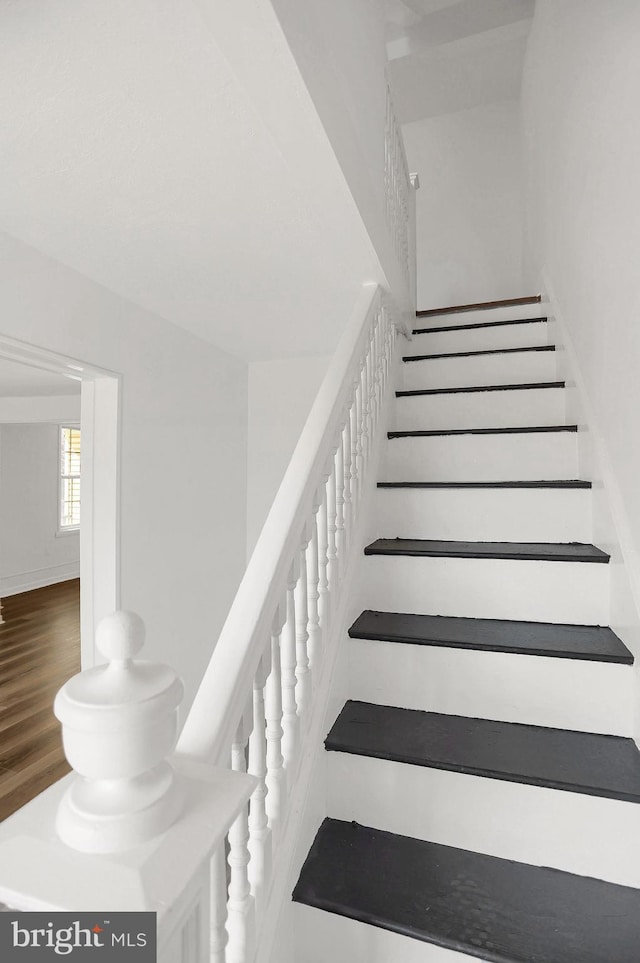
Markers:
point(119, 725)
point(135, 826)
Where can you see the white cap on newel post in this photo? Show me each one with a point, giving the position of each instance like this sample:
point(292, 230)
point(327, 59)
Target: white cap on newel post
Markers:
point(119, 725)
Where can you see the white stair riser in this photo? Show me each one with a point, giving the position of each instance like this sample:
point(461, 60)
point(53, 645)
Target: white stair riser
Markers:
point(491, 369)
point(528, 824)
point(321, 937)
point(538, 591)
point(478, 339)
point(507, 687)
point(513, 313)
point(494, 514)
point(481, 409)
point(535, 456)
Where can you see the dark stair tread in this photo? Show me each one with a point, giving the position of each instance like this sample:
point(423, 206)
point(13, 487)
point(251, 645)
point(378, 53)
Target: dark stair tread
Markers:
point(524, 430)
point(582, 762)
point(541, 551)
point(489, 908)
point(594, 643)
point(474, 354)
point(473, 389)
point(541, 483)
point(478, 324)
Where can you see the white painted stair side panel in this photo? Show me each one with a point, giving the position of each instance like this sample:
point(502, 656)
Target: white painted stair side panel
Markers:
point(506, 687)
point(577, 833)
point(491, 514)
point(520, 408)
point(478, 339)
point(513, 313)
point(537, 591)
point(483, 369)
point(329, 938)
point(531, 456)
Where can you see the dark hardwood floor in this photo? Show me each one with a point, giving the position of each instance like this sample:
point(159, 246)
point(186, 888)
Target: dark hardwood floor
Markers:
point(39, 651)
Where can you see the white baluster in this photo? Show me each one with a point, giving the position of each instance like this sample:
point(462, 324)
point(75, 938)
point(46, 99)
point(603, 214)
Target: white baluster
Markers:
point(241, 906)
point(290, 718)
point(314, 648)
point(303, 675)
point(348, 505)
point(259, 831)
point(323, 552)
point(355, 452)
point(393, 334)
point(375, 383)
point(371, 389)
point(364, 418)
point(378, 363)
point(387, 349)
point(339, 474)
point(276, 776)
point(218, 929)
point(332, 566)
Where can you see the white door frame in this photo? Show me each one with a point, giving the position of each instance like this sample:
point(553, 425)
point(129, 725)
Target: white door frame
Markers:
point(100, 524)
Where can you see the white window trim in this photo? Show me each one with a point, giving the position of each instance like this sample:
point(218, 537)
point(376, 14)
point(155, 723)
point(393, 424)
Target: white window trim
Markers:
point(63, 530)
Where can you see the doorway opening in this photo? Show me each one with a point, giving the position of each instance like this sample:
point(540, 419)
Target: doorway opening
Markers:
point(59, 575)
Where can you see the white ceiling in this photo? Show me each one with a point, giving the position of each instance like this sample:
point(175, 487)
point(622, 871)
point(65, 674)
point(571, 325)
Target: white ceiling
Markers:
point(450, 55)
point(23, 381)
point(130, 151)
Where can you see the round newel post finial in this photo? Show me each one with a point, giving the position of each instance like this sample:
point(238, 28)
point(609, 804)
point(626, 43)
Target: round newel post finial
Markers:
point(120, 636)
point(119, 725)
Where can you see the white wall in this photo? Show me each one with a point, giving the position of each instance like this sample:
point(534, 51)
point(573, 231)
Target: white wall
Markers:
point(183, 448)
point(42, 409)
point(341, 53)
point(582, 156)
point(280, 397)
point(469, 206)
point(33, 554)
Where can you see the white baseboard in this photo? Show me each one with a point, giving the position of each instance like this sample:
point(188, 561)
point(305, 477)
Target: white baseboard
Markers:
point(610, 517)
point(38, 578)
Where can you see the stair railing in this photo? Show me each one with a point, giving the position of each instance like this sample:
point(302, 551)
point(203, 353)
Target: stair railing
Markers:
point(399, 191)
point(270, 672)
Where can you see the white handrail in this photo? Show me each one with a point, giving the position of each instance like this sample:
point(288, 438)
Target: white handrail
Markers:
point(223, 692)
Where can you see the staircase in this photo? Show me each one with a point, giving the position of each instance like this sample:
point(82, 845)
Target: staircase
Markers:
point(483, 787)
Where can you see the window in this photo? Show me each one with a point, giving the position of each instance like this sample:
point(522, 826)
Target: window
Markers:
point(69, 478)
